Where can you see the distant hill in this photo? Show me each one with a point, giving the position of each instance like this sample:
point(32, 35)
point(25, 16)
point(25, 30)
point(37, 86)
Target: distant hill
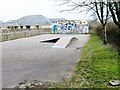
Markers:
point(29, 20)
point(33, 20)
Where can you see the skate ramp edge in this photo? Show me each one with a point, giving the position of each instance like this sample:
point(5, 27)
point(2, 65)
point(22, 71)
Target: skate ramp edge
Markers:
point(63, 42)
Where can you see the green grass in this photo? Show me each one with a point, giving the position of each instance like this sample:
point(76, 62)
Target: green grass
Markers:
point(98, 65)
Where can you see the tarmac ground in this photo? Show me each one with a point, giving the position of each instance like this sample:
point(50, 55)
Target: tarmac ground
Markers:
point(29, 59)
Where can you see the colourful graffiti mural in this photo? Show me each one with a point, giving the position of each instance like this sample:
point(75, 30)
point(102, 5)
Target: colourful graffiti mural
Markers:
point(70, 26)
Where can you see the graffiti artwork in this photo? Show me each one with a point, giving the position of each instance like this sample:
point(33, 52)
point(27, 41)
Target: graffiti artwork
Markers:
point(70, 26)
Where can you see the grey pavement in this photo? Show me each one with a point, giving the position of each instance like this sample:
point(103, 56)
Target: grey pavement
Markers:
point(28, 59)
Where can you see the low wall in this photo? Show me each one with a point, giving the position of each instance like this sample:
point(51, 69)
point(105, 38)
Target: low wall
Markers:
point(21, 34)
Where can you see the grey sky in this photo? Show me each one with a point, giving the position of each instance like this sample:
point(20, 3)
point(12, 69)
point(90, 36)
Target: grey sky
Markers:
point(14, 9)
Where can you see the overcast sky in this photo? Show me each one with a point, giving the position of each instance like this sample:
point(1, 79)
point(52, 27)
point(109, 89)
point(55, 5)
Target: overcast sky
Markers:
point(15, 9)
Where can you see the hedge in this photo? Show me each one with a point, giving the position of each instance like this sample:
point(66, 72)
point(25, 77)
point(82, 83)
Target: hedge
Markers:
point(113, 34)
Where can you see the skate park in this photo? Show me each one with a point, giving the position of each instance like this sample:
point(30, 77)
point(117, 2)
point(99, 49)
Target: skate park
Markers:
point(31, 59)
point(49, 56)
point(59, 44)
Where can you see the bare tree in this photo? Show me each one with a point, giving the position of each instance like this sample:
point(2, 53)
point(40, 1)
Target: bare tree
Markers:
point(100, 7)
point(102, 13)
point(114, 8)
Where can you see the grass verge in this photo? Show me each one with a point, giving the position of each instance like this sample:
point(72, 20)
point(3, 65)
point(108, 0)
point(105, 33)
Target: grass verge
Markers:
point(98, 65)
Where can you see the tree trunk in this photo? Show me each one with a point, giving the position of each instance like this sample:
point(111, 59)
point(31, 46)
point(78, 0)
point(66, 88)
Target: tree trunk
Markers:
point(105, 35)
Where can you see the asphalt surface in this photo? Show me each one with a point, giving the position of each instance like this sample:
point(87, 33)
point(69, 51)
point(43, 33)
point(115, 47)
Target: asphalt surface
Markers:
point(28, 59)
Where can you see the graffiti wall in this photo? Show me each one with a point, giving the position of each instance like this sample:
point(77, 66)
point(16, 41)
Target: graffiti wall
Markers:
point(70, 26)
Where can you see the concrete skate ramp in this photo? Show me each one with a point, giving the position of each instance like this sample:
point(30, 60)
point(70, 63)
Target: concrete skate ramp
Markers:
point(51, 40)
point(63, 42)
